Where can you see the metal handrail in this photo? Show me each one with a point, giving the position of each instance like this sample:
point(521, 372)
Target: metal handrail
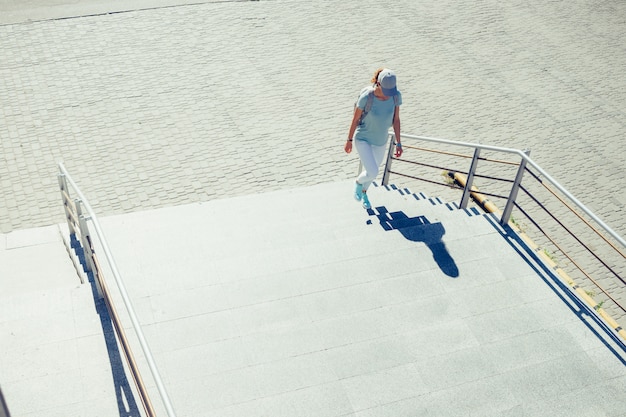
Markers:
point(524, 157)
point(523, 166)
point(122, 289)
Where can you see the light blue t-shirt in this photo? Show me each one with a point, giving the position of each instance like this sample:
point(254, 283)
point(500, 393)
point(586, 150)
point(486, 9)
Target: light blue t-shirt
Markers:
point(374, 128)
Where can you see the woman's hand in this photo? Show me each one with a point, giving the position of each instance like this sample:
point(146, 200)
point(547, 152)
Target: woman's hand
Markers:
point(398, 150)
point(355, 121)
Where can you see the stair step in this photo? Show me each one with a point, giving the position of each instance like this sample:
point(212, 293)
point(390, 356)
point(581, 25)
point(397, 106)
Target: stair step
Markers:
point(285, 282)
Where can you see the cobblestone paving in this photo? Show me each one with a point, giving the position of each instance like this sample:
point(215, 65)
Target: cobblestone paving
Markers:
point(174, 105)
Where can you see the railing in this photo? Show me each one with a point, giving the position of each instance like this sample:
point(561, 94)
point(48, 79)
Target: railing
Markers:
point(564, 226)
point(78, 213)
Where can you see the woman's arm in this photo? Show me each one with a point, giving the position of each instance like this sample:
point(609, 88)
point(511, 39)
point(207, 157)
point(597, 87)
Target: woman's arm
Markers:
point(396, 131)
point(355, 122)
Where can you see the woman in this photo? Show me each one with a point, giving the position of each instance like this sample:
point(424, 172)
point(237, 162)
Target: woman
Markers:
point(370, 133)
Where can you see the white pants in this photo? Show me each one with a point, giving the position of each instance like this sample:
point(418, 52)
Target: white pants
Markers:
point(371, 158)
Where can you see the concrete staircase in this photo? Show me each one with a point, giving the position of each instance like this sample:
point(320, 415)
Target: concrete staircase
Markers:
point(300, 302)
point(55, 359)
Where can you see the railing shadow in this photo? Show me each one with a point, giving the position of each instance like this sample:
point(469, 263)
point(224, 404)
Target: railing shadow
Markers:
point(419, 229)
point(561, 225)
point(126, 404)
point(581, 309)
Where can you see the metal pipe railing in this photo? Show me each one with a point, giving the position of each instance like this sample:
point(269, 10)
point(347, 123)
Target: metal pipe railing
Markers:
point(122, 289)
point(524, 157)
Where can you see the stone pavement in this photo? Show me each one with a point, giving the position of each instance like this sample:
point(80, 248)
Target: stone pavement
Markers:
point(169, 105)
point(300, 303)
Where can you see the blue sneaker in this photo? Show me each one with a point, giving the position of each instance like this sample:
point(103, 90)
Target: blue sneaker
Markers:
point(366, 202)
point(358, 191)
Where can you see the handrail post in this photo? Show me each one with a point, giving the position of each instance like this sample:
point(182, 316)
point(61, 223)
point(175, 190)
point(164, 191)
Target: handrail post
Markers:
point(85, 240)
point(388, 162)
point(508, 209)
point(470, 179)
point(64, 191)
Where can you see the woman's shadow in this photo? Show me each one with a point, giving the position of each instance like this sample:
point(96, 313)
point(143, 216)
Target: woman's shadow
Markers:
point(419, 229)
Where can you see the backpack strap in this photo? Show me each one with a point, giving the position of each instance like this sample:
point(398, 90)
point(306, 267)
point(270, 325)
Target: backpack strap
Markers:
point(368, 104)
point(370, 100)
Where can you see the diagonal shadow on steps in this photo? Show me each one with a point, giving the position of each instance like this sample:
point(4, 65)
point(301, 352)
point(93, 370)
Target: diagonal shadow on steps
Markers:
point(126, 404)
point(419, 229)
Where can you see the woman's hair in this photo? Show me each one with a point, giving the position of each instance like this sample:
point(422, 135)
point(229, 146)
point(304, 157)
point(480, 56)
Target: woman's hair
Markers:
point(375, 79)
